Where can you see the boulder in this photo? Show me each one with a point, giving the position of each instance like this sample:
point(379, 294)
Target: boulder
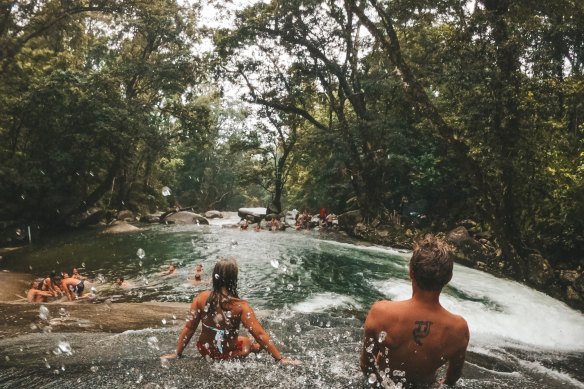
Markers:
point(125, 214)
point(92, 216)
point(119, 227)
point(151, 218)
point(349, 220)
point(539, 270)
point(466, 250)
point(185, 217)
point(271, 216)
point(569, 276)
point(458, 236)
point(213, 214)
point(579, 284)
point(572, 295)
point(253, 215)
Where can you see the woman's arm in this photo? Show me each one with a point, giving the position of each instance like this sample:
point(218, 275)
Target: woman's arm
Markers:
point(188, 331)
point(249, 320)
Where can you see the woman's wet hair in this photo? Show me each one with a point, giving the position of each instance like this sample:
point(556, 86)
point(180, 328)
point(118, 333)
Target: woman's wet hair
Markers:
point(431, 263)
point(224, 276)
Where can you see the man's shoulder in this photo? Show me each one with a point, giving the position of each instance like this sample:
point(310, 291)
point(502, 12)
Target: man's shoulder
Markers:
point(457, 321)
point(384, 309)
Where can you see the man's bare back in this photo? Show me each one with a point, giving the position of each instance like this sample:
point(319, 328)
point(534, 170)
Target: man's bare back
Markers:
point(409, 340)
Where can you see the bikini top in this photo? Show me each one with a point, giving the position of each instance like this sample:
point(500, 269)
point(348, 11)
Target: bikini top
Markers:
point(219, 337)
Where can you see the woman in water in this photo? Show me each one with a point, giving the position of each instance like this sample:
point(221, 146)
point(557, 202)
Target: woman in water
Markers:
point(221, 312)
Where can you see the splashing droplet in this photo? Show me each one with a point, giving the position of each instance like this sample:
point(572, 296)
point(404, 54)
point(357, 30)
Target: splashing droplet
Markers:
point(372, 378)
point(63, 347)
point(163, 321)
point(153, 342)
point(94, 369)
point(164, 363)
point(275, 263)
point(62, 312)
point(141, 253)
point(165, 191)
point(44, 312)
point(297, 328)
point(216, 276)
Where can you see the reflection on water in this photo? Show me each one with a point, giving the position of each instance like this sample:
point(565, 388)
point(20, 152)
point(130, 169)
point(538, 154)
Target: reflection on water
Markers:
point(311, 294)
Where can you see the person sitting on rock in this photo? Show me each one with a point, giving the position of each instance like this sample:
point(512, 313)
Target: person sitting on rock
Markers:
point(275, 224)
point(49, 284)
point(36, 296)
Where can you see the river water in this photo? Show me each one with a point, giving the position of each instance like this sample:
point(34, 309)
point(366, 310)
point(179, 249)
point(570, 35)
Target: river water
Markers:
point(310, 292)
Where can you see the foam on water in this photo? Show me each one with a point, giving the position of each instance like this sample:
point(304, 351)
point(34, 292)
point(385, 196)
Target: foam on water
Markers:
point(323, 301)
point(558, 375)
point(514, 313)
point(372, 248)
point(501, 312)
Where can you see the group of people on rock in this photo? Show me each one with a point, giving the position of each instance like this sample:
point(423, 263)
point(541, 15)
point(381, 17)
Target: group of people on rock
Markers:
point(57, 285)
point(73, 286)
point(274, 225)
point(304, 220)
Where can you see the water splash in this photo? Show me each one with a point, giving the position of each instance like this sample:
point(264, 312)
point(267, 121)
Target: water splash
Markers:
point(44, 313)
point(63, 347)
point(152, 342)
point(141, 253)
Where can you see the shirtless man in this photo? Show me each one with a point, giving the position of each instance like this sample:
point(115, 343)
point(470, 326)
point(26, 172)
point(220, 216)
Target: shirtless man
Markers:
point(37, 296)
point(73, 288)
point(411, 339)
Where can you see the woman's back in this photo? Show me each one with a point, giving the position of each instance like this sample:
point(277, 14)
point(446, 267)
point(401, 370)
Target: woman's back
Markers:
point(220, 318)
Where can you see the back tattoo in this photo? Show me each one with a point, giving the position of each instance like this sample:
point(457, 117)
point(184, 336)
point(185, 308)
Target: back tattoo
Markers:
point(421, 330)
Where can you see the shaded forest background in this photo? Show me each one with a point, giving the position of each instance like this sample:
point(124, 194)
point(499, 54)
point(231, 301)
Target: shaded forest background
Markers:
point(438, 110)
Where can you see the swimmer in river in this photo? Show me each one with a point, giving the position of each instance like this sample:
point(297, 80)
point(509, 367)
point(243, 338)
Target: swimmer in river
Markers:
point(221, 312)
point(121, 282)
point(171, 269)
point(198, 277)
point(411, 339)
point(257, 227)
